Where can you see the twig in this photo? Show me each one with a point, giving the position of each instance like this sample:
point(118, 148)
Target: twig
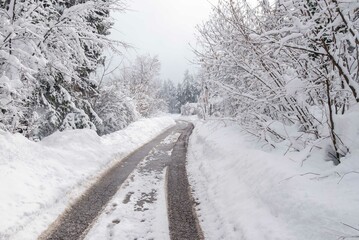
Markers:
point(305, 159)
point(357, 229)
point(347, 174)
point(347, 237)
point(300, 175)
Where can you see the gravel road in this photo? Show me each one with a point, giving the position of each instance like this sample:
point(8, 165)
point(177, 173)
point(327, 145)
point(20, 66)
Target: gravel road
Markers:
point(75, 222)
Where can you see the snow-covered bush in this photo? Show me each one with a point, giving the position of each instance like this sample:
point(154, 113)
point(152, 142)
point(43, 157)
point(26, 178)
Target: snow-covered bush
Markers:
point(190, 109)
point(115, 108)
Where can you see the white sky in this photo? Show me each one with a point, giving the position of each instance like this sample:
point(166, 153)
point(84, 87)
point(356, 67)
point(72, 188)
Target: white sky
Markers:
point(164, 28)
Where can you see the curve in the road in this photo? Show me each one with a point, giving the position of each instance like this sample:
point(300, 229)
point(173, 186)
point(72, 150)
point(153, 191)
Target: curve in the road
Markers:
point(74, 223)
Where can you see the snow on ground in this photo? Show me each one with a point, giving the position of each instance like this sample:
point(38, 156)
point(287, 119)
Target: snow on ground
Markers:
point(247, 193)
point(139, 209)
point(38, 180)
point(132, 213)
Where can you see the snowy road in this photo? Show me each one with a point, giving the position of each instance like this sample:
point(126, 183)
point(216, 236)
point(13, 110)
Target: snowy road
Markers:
point(134, 196)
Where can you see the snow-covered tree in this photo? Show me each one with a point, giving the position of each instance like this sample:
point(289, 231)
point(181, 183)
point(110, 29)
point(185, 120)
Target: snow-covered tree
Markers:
point(168, 93)
point(114, 106)
point(188, 90)
point(48, 50)
point(289, 65)
point(143, 79)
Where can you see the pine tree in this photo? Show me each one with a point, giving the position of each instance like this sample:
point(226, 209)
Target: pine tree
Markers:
point(168, 93)
point(188, 90)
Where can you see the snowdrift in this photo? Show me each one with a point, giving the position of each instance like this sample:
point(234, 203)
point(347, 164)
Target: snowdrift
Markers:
point(247, 193)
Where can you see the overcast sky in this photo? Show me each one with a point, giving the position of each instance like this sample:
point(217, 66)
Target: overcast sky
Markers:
point(164, 28)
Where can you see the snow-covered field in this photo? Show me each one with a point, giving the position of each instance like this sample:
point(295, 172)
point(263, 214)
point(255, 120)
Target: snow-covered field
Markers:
point(247, 193)
point(38, 180)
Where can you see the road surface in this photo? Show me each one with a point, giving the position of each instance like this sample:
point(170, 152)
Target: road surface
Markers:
point(150, 160)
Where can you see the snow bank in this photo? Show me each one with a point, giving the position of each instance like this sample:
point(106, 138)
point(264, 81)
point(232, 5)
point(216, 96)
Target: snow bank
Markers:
point(38, 180)
point(246, 193)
